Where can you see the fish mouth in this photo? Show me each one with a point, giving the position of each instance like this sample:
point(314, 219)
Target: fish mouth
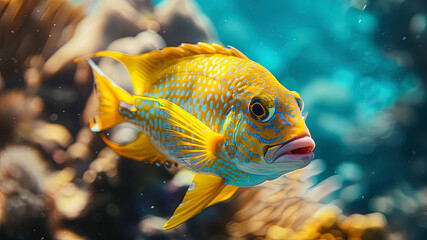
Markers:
point(298, 149)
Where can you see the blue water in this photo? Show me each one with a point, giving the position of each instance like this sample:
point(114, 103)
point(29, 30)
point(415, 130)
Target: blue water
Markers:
point(357, 71)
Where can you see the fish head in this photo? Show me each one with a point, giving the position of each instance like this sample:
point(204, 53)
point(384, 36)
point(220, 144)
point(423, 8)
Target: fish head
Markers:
point(265, 132)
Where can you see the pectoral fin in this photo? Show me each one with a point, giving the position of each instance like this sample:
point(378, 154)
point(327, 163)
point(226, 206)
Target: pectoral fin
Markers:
point(192, 141)
point(202, 191)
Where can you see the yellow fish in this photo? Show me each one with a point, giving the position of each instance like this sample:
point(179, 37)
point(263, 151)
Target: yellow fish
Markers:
point(210, 109)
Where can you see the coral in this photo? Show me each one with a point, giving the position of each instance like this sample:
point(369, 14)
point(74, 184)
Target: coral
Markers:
point(181, 21)
point(66, 234)
point(22, 175)
point(290, 208)
point(68, 199)
point(30, 28)
point(327, 223)
point(17, 111)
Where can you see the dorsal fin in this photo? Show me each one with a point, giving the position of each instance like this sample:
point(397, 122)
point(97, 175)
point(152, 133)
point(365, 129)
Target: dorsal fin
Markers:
point(143, 67)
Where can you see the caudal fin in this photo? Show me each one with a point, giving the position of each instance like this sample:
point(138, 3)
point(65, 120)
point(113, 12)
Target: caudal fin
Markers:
point(110, 96)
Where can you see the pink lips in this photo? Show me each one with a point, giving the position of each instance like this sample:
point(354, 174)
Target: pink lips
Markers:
point(299, 149)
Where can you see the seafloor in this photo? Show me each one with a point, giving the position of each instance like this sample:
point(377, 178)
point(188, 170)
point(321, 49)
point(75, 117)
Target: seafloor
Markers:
point(360, 66)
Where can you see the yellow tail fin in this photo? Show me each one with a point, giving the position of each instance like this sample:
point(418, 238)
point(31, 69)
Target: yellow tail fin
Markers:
point(110, 97)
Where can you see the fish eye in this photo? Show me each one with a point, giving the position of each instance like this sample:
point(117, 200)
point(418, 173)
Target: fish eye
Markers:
point(261, 110)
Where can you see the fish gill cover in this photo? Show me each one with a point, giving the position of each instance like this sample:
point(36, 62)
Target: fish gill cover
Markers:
point(360, 67)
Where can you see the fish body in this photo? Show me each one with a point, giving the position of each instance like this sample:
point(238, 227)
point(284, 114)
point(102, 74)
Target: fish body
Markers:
point(211, 109)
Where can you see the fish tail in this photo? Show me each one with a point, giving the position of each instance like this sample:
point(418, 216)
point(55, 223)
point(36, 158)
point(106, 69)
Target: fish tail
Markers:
point(113, 101)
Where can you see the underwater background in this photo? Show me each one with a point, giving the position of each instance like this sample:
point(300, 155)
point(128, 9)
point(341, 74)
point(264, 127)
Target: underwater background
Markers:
point(360, 67)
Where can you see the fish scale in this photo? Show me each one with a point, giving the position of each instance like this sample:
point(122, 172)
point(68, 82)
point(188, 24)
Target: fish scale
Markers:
point(188, 94)
point(195, 86)
point(211, 109)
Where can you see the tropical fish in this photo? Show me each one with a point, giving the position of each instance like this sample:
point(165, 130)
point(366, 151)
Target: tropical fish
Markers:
point(210, 109)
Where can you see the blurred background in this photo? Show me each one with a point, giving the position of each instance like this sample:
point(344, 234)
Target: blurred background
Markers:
point(360, 67)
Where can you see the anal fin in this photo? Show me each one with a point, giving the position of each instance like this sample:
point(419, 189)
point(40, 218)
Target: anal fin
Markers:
point(140, 149)
point(204, 191)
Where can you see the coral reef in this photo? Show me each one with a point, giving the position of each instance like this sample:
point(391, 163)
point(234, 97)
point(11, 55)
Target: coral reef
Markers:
point(290, 208)
point(53, 169)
